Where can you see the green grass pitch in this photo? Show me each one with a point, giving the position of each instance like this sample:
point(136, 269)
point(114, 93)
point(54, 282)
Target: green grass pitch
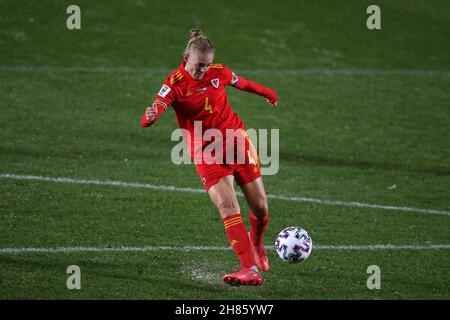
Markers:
point(363, 117)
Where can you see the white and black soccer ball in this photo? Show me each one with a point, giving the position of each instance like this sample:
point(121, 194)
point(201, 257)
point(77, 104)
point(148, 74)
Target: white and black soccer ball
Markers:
point(293, 244)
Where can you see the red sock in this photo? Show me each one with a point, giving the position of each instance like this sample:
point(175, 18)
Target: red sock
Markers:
point(239, 239)
point(258, 226)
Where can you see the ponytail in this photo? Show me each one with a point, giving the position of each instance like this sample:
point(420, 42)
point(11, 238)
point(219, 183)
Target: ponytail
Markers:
point(198, 42)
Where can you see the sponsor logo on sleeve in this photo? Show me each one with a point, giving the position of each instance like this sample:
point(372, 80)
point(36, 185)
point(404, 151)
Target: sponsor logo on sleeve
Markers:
point(164, 91)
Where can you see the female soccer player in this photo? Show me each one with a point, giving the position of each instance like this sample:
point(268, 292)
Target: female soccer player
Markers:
point(196, 91)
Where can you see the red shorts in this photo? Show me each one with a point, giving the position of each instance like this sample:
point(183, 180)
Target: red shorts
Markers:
point(244, 173)
point(210, 174)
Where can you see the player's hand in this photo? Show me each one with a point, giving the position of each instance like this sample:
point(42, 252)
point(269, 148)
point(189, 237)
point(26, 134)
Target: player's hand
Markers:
point(150, 113)
point(271, 98)
point(272, 103)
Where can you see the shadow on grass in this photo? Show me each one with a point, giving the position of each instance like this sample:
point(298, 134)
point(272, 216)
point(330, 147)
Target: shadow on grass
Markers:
point(147, 278)
point(308, 159)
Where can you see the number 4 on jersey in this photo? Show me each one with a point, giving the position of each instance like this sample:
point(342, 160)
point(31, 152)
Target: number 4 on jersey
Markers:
point(208, 107)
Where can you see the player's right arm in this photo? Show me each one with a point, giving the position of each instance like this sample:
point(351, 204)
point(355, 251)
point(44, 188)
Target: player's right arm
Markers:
point(164, 98)
point(153, 112)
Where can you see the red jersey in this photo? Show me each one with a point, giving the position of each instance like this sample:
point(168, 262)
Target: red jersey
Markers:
point(205, 102)
point(202, 100)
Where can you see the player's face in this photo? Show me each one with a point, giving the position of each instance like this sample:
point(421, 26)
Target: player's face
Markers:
point(198, 63)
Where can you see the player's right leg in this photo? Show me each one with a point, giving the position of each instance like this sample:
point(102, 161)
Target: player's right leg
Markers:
point(224, 197)
point(248, 176)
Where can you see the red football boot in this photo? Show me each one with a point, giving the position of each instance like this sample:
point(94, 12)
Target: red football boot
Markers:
point(245, 277)
point(260, 256)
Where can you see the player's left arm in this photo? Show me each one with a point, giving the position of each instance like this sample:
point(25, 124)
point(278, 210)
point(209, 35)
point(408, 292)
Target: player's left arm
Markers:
point(253, 87)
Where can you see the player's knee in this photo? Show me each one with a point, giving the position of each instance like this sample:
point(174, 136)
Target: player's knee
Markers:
point(261, 207)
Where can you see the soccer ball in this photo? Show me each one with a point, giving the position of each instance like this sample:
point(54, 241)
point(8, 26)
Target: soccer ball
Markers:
point(293, 244)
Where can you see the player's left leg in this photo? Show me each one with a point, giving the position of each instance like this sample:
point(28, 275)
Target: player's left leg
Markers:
point(256, 197)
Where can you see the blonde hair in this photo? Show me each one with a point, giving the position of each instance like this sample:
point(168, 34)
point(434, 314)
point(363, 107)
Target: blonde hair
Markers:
point(198, 42)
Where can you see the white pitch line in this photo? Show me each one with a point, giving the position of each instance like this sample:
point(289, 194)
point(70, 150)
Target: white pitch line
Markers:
point(102, 182)
point(111, 249)
point(273, 72)
point(352, 247)
point(359, 204)
point(192, 190)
